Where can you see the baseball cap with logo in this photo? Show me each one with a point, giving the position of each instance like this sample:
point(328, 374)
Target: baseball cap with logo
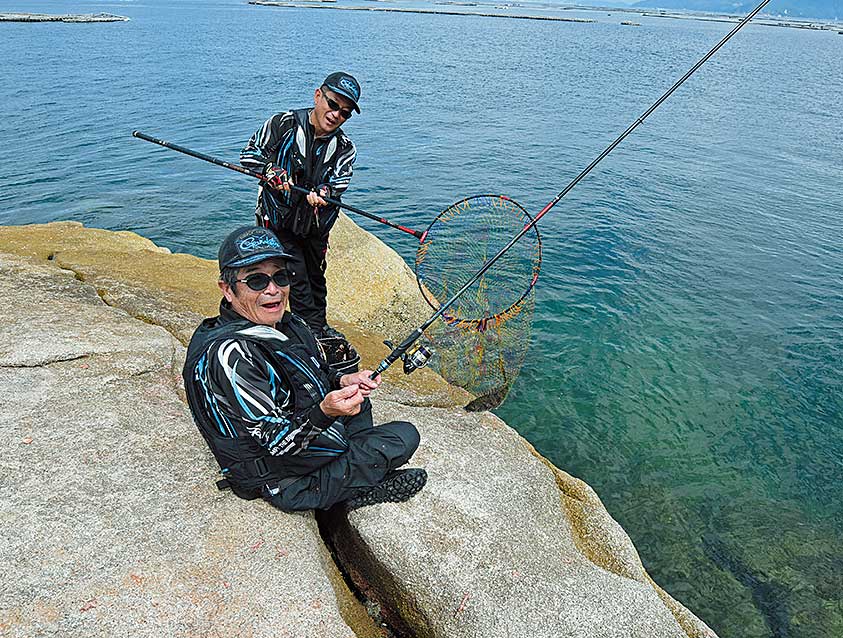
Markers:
point(249, 245)
point(345, 85)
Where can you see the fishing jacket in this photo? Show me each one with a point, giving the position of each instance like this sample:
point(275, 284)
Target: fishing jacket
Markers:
point(254, 392)
point(288, 140)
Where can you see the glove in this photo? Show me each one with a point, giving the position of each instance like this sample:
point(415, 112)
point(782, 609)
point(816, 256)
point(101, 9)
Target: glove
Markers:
point(320, 191)
point(276, 177)
point(323, 190)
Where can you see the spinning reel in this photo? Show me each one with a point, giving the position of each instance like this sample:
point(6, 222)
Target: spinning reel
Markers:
point(415, 358)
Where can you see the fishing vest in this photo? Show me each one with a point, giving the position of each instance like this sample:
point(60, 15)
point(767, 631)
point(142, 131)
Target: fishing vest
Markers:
point(309, 169)
point(245, 465)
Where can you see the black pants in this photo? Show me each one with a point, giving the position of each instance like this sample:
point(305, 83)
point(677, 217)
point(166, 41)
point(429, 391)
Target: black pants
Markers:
point(372, 452)
point(308, 290)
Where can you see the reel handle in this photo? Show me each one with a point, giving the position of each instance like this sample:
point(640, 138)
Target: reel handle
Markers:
point(397, 352)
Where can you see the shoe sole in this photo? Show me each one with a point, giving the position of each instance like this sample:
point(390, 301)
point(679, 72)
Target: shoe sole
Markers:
point(397, 489)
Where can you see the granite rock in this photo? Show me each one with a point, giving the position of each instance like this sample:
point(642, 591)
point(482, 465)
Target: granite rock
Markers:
point(111, 523)
point(114, 524)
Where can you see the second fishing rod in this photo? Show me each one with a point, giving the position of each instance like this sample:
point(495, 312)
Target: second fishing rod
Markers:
point(402, 350)
point(245, 171)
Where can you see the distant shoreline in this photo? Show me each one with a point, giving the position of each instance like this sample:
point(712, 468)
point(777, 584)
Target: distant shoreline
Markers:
point(650, 13)
point(68, 17)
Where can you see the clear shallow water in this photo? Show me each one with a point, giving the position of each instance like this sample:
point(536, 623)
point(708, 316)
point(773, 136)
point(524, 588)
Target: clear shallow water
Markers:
point(686, 356)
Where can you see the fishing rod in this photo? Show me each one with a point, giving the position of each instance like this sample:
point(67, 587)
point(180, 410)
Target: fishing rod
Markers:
point(420, 355)
point(256, 175)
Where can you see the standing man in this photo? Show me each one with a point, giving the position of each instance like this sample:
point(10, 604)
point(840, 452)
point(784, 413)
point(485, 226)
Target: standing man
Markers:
point(280, 422)
point(306, 147)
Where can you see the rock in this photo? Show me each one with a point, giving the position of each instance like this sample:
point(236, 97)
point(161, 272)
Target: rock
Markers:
point(128, 270)
point(496, 552)
point(131, 272)
point(112, 523)
point(370, 286)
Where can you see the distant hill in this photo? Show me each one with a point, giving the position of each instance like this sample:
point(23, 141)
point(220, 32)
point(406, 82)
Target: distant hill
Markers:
point(825, 9)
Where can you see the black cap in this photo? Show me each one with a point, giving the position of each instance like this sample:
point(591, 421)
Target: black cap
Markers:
point(249, 245)
point(345, 85)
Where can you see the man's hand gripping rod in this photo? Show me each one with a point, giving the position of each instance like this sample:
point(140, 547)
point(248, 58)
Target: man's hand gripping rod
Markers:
point(401, 349)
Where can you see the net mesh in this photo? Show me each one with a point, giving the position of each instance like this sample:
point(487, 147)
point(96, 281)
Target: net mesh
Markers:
point(482, 339)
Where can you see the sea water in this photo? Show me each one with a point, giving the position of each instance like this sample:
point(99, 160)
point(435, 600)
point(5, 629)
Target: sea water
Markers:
point(688, 338)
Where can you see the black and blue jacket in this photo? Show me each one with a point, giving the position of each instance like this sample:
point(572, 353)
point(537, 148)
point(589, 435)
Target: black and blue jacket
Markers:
point(254, 392)
point(289, 141)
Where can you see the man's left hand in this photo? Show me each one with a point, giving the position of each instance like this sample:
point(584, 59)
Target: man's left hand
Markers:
point(361, 379)
point(314, 198)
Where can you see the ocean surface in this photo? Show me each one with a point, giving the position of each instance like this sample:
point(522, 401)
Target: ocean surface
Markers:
point(688, 338)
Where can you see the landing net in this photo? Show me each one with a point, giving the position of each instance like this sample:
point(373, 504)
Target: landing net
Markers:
point(483, 338)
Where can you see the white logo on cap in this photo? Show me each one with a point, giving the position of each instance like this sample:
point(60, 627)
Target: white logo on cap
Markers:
point(257, 241)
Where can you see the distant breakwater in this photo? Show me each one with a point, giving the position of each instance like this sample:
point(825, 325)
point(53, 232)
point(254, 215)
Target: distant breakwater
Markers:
point(763, 19)
point(311, 5)
point(68, 17)
point(811, 26)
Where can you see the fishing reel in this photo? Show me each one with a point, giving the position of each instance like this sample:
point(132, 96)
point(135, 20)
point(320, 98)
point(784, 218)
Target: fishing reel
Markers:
point(416, 357)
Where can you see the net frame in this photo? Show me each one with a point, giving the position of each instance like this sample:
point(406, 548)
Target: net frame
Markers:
point(449, 214)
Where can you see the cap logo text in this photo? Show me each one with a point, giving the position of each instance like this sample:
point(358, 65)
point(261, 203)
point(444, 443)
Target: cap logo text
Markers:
point(254, 243)
point(349, 86)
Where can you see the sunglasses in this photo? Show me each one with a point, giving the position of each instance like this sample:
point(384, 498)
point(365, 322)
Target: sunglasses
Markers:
point(333, 106)
point(260, 280)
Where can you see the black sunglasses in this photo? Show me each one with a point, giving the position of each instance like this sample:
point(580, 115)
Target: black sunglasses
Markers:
point(260, 280)
point(333, 106)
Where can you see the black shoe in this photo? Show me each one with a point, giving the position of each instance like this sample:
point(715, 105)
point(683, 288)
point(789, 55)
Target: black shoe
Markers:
point(397, 487)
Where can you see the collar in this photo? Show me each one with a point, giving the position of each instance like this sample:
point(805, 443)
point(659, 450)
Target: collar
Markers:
point(312, 129)
point(228, 314)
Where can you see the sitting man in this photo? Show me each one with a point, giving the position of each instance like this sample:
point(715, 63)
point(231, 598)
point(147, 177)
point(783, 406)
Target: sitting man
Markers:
point(280, 422)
